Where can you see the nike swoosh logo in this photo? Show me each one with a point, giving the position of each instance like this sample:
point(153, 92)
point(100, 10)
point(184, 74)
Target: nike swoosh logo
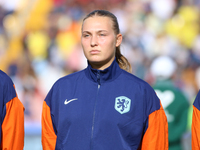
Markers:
point(67, 102)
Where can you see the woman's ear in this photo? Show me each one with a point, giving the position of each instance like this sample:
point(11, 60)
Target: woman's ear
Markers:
point(119, 40)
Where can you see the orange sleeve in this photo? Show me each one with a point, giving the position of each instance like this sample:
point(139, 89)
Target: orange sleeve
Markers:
point(195, 129)
point(48, 135)
point(156, 135)
point(13, 126)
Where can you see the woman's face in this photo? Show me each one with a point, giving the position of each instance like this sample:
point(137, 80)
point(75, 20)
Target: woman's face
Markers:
point(99, 41)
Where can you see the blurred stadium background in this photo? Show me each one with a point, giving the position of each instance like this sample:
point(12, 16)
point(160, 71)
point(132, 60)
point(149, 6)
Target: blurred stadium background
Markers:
point(40, 42)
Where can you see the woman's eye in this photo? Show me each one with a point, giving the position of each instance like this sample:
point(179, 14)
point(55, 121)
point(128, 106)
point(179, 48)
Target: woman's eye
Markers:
point(102, 34)
point(86, 35)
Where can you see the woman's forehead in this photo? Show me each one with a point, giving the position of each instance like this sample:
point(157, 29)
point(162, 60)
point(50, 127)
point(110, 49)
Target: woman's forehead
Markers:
point(97, 22)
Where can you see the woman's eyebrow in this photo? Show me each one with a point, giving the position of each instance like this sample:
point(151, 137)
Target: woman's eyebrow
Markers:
point(86, 32)
point(102, 31)
point(98, 31)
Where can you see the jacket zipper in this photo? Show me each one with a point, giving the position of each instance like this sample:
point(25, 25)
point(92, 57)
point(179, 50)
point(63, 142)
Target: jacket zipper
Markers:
point(94, 113)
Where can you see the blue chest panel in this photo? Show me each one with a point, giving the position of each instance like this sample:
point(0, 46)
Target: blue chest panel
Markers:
point(93, 115)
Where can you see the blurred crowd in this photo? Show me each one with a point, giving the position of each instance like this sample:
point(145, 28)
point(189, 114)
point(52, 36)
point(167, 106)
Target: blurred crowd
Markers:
point(40, 42)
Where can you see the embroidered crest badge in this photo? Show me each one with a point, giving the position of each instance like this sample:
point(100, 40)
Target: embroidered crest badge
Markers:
point(122, 104)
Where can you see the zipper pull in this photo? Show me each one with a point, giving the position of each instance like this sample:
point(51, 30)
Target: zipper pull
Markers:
point(98, 77)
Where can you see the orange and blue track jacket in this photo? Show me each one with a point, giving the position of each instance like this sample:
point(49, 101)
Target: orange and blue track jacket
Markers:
point(107, 109)
point(196, 123)
point(12, 116)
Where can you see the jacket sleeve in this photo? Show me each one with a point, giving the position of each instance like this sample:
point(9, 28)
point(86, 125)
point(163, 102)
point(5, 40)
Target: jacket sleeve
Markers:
point(48, 135)
point(13, 126)
point(196, 123)
point(156, 135)
point(195, 129)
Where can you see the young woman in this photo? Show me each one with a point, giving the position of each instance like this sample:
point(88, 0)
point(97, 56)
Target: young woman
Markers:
point(196, 123)
point(12, 116)
point(103, 107)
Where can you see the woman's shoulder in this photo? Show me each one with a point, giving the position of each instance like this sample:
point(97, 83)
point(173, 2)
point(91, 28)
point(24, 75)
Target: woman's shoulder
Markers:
point(138, 84)
point(131, 78)
point(5, 79)
point(3, 75)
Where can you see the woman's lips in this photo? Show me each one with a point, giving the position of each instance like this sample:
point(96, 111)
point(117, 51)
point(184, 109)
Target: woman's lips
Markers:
point(94, 52)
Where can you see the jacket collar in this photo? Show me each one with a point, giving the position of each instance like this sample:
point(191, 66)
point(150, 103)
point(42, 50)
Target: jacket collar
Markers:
point(101, 76)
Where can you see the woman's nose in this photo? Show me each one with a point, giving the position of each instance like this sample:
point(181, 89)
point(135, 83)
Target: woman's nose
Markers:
point(94, 41)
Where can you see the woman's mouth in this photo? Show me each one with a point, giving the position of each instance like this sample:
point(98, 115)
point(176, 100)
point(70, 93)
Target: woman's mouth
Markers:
point(93, 52)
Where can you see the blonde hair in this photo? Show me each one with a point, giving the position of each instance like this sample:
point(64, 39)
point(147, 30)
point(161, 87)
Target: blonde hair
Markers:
point(121, 60)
